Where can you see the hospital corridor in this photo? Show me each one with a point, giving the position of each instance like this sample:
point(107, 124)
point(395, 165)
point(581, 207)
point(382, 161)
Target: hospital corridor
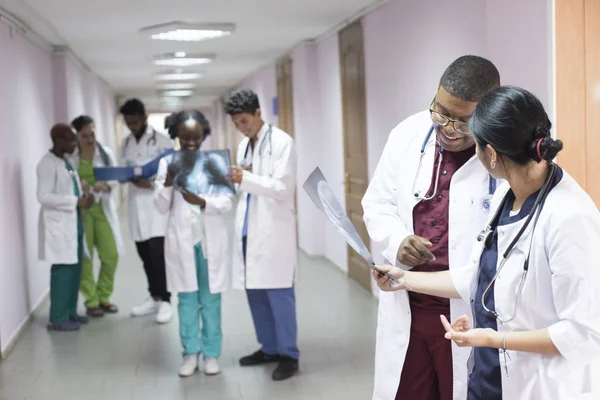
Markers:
point(299, 200)
point(121, 358)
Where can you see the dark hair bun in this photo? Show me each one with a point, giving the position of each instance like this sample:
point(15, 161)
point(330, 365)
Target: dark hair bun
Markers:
point(175, 119)
point(548, 148)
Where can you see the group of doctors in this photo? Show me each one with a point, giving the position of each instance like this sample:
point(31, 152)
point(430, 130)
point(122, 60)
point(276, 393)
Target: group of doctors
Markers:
point(181, 237)
point(490, 288)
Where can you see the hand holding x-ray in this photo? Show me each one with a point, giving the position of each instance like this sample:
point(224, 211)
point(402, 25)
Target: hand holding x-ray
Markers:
point(320, 192)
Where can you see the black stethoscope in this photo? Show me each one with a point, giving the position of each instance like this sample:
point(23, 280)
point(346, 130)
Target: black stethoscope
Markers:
point(417, 195)
point(262, 144)
point(487, 234)
point(150, 141)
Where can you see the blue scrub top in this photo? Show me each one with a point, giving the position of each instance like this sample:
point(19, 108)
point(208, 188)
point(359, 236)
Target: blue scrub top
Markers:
point(485, 381)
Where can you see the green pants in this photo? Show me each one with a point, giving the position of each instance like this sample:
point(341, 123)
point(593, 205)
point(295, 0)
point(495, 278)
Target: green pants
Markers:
point(99, 235)
point(202, 303)
point(64, 286)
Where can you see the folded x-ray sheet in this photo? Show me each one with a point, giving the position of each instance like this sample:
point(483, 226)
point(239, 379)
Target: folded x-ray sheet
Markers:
point(201, 172)
point(319, 190)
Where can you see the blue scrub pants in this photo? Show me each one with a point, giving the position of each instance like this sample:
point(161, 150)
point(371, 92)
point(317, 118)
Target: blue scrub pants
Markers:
point(203, 303)
point(274, 315)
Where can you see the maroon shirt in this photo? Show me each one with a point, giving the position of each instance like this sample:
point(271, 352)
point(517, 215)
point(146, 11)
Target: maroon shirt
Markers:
point(430, 220)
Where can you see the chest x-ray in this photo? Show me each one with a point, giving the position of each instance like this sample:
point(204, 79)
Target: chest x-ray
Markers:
point(320, 192)
point(202, 172)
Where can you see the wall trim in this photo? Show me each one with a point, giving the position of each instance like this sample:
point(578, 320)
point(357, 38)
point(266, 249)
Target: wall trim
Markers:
point(13, 340)
point(350, 20)
point(17, 26)
point(359, 14)
point(20, 27)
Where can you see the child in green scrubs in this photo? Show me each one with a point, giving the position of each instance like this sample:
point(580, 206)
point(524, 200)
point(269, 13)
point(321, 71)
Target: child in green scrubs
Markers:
point(61, 228)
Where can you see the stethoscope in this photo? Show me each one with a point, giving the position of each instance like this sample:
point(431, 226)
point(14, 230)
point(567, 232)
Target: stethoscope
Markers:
point(151, 141)
point(417, 194)
point(262, 144)
point(487, 234)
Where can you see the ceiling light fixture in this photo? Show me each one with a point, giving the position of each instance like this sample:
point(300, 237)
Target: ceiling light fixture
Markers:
point(188, 32)
point(172, 86)
point(178, 75)
point(181, 59)
point(178, 93)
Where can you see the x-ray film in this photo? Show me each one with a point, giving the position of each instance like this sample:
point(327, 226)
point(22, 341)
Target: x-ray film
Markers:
point(320, 192)
point(201, 172)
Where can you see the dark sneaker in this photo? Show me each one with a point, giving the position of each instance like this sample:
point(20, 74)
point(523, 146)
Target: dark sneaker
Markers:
point(82, 319)
point(287, 368)
point(65, 326)
point(258, 358)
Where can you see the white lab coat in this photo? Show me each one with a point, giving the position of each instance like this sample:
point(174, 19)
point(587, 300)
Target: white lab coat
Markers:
point(57, 223)
point(561, 293)
point(107, 199)
point(271, 249)
point(145, 222)
point(388, 213)
point(182, 235)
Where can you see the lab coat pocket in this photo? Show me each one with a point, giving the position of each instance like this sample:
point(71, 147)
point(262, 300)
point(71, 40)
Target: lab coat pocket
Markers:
point(53, 222)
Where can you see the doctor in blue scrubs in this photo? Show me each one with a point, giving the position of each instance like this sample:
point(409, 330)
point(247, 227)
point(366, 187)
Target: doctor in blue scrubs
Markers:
point(533, 281)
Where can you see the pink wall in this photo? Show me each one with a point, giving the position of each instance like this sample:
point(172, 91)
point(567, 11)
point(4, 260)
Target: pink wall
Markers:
point(35, 90)
point(308, 135)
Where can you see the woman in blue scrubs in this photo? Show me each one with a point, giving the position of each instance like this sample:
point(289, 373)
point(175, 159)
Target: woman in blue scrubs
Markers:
point(533, 282)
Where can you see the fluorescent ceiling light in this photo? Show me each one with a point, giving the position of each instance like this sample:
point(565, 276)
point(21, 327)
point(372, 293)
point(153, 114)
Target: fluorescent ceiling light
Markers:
point(178, 76)
point(187, 32)
point(178, 93)
point(181, 85)
point(182, 59)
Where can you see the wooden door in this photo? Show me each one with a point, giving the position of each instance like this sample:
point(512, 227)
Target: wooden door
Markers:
point(285, 98)
point(355, 141)
point(578, 90)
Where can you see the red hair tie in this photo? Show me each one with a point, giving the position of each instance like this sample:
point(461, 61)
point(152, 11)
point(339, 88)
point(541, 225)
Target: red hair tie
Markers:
point(539, 149)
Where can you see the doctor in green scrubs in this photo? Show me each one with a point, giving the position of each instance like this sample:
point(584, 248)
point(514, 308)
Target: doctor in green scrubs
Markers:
point(101, 223)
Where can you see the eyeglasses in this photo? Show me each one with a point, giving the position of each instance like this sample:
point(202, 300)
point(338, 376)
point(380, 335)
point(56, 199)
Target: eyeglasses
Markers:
point(441, 120)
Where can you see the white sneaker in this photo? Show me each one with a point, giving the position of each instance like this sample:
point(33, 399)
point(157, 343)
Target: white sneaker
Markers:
point(165, 313)
point(148, 307)
point(188, 366)
point(211, 366)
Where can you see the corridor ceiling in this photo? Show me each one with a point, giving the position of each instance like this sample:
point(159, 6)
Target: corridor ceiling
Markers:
point(104, 34)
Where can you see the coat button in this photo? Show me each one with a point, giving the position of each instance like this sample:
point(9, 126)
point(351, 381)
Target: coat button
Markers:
point(434, 223)
point(439, 198)
point(444, 172)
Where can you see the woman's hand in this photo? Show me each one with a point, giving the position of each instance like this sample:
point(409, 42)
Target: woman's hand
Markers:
point(85, 187)
point(86, 201)
point(389, 278)
point(464, 336)
point(168, 179)
point(100, 187)
point(193, 199)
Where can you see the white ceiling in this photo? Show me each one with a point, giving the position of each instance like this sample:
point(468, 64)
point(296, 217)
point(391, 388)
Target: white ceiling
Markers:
point(104, 34)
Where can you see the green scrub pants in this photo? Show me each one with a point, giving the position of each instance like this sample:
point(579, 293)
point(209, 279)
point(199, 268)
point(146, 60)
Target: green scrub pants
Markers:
point(99, 235)
point(203, 303)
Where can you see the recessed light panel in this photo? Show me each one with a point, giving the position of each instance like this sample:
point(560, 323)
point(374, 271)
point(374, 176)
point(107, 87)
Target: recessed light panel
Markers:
point(187, 32)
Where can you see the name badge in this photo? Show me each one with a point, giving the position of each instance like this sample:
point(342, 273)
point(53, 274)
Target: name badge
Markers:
point(486, 203)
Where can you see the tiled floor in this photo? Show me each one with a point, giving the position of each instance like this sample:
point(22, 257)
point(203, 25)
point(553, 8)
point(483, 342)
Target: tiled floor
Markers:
point(120, 358)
